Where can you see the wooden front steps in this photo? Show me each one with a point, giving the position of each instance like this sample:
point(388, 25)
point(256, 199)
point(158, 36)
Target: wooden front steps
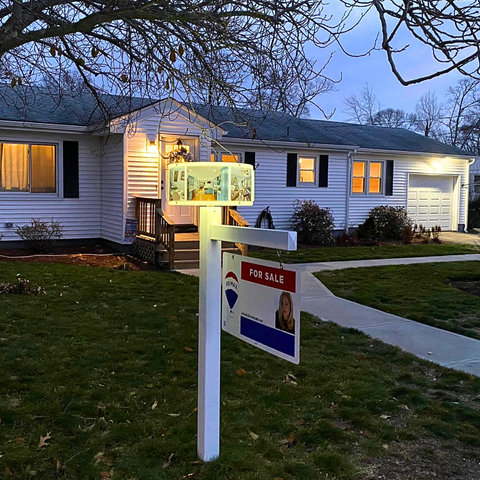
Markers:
point(187, 251)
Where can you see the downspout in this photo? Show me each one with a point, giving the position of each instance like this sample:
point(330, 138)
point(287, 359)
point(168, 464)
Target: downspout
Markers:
point(350, 156)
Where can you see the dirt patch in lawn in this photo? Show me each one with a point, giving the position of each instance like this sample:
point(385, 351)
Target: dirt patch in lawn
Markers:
point(471, 287)
point(91, 256)
point(427, 458)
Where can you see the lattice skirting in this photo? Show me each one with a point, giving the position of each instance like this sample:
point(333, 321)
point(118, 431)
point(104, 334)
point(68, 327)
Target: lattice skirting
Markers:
point(144, 250)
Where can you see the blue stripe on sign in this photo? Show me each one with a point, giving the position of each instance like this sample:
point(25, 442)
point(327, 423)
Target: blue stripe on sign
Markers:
point(268, 336)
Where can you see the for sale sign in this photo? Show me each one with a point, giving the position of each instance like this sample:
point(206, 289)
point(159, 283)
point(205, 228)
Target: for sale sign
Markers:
point(261, 305)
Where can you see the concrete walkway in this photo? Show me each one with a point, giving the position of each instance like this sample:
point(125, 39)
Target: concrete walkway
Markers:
point(445, 348)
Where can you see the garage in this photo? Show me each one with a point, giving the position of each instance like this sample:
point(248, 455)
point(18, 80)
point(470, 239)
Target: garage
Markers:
point(430, 200)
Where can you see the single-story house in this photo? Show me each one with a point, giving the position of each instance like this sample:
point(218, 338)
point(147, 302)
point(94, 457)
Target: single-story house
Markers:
point(57, 161)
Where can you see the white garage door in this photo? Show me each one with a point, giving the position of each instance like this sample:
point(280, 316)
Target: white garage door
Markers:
point(430, 200)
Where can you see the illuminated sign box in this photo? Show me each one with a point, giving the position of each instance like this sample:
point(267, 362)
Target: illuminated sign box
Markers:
point(210, 183)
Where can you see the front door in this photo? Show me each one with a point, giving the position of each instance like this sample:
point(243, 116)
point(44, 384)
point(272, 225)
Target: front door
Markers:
point(180, 214)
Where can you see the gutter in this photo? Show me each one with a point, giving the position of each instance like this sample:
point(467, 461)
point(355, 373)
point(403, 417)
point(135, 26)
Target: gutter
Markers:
point(48, 127)
point(417, 154)
point(286, 144)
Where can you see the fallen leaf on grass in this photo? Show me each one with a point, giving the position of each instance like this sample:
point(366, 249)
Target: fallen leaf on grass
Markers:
point(385, 417)
point(362, 357)
point(290, 378)
point(197, 462)
point(253, 435)
point(173, 317)
point(9, 473)
point(287, 442)
point(154, 406)
point(101, 458)
point(168, 462)
point(366, 434)
point(342, 425)
point(107, 474)
point(189, 349)
point(241, 371)
point(385, 446)
point(173, 414)
point(43, 440)
point(34, 417)
point(191, 475)
point(60, 468)
point(149, 385)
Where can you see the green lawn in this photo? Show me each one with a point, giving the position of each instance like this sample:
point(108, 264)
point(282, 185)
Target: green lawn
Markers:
point(428, 293)
point(334, 254)
point(100, 364)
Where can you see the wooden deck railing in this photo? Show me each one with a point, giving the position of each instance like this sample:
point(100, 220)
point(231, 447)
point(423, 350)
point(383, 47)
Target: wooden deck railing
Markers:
point(165, 234)
point(145, 212)
point(232, 217)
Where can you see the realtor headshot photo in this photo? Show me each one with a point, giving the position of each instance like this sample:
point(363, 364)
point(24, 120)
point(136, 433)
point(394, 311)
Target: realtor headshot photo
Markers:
point(284, 315)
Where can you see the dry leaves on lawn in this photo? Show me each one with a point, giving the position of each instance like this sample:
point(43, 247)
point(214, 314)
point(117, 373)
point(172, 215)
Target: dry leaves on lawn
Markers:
point(366, 434)
point(189, 349)
point(168, 462)
point(290, 378)
point(241, 371)
point(154, 406)
point(191, 475)
point(43, 440)
point(253, 435)
point(287, 442)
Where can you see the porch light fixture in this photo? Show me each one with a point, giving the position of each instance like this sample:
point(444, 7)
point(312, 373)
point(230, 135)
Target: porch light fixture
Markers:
point(151, 141)
point(210, 184)
point(437, 165)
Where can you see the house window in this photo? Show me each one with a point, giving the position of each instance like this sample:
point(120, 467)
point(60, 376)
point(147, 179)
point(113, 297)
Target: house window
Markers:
point(358, 181)
point(375, 177)
point(367, 177)
point(27, 168)
point(307, 170)
point(476, 183)
point(231, 157)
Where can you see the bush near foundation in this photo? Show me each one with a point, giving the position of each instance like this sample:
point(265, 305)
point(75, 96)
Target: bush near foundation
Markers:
point(390, 221)
point(39, 235)
point(313, 224)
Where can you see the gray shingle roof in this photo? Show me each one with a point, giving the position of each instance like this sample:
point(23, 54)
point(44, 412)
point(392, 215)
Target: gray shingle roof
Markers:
point(284, 127)
point(39, 105)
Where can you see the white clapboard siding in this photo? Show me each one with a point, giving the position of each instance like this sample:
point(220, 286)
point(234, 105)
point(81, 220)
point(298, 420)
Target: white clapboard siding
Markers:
point(112, 189)
point(144, 175)
point(271, 189)
point(360, 205)
point(80, 217)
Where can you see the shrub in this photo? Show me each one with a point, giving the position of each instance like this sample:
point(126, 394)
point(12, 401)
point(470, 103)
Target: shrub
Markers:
point(313, 224)
point(368, 231)
point(474, 212)
point(40, 235)
point(347, 240)
point(391, 221)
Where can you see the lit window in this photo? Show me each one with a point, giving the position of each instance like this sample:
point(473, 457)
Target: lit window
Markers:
point(358, 180)
point(27, 168)
point(306, 169)
point(212, 157)
point(476, 182)
point(375, 178)
point(232, 158)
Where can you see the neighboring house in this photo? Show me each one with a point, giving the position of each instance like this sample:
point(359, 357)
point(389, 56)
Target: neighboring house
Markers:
point(474, 183)
point(56, 161)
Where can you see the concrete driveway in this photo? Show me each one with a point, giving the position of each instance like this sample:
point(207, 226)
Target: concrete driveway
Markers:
point(457, 237)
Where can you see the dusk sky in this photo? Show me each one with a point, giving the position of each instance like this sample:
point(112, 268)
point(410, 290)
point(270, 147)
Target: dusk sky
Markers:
point(375, 70)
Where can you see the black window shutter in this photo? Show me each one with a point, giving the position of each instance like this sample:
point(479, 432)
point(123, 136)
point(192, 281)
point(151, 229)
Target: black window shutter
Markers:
point(389, 178)
point(250, 158)
point(323, 171)
point(291, 170)
point(70, 170)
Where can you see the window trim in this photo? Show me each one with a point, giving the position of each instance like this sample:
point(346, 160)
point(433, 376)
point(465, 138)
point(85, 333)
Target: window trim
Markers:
point(315, 170)
point(367, 178)
point(56, 146)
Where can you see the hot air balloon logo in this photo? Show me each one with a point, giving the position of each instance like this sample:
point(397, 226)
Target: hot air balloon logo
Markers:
point(231, 289)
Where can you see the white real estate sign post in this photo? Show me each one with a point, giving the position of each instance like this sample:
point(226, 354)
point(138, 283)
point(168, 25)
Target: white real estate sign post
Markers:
point(210, 185)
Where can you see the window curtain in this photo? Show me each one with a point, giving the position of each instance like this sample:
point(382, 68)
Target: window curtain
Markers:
point(14, 167)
